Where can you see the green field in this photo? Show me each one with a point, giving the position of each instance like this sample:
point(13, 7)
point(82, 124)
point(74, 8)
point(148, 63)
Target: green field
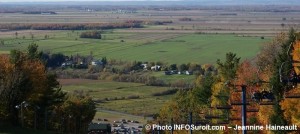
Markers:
point(118, 92)
point(113, 116)
point(172, 78)
point(143, 46)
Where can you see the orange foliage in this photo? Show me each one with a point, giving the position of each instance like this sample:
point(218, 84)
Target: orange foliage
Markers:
point(291, 107)
point(296, 56)
point(37, 73)
point(35, 69)
point(247, 73)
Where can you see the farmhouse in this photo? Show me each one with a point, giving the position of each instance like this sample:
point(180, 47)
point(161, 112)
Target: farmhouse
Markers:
point(66, 64)
point(96, 63)
point(144, 66)
point(188, 72)
point(156, 68)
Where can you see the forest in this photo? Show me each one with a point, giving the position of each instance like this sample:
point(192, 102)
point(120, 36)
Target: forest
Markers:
point(31, 97)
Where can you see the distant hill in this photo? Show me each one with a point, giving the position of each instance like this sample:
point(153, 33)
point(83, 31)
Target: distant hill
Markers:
point(171, 2)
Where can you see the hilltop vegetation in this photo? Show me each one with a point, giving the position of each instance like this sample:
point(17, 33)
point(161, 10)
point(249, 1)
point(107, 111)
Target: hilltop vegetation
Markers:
point(29, 95)
point(216, 98)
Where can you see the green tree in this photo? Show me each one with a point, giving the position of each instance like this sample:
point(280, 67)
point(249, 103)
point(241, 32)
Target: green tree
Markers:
point(183, 67)
point(32, 51)
point(173, 67)
point(104, 60)
point(2, 42)
point(16, 34)
point(203, 91)
point(229, 67)
point(80, 110)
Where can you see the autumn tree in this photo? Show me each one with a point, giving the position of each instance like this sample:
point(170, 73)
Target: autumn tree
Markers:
point(268, 54)
point(24, 80)
point(77, 111)
point(284, 63)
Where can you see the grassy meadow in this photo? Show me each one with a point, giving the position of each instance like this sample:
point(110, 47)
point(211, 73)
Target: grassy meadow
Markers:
point(142, 46)
point(117, 94)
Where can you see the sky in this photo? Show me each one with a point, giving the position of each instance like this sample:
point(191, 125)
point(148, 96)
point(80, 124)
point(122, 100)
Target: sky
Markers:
point(67, 0)
point(290, 2)
point(56, 0)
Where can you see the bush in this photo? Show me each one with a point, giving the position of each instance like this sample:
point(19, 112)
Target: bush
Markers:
point(167, 92)
point(91, 34)
point(185, 19)
point(133, 97)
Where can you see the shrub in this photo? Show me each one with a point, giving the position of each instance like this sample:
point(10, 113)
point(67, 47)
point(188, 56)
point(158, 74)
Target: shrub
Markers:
point(185, 19)
point(133, 97)
point(91, 34)
point(167, 92)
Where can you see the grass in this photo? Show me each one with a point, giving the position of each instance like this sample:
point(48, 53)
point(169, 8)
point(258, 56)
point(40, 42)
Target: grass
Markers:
point(172, 78)
point(145, 105)
point(117, 116)
point(165, 47)
point(196, 48)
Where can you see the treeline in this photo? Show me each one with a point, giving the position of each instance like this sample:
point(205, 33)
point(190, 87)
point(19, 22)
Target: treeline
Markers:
point(91, 34)
point(68, 26)
point(31, 97)
point(154, 22)
point(39, 12)
point(185, 19)
point(124, 71)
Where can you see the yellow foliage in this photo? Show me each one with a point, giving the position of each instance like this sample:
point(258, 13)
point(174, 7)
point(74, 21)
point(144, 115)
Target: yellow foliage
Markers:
point(216, 90)
point(291, 109)
point(264, 114)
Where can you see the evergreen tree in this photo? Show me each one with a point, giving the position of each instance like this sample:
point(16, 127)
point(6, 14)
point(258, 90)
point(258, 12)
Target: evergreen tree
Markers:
point(283, 63)
point(229, 67)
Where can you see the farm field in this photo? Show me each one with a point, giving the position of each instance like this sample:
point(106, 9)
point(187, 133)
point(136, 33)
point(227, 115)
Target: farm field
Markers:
point(141, 46)
point(227, 30)
point(172, 78)
point(214, 20)
point(117, 94)
point(113, 116)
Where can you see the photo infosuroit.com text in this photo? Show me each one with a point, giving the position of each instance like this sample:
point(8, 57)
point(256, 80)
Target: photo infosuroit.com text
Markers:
point(180, 127)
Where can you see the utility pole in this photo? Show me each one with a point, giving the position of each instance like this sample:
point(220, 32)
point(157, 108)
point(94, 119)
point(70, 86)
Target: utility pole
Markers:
point(22, 113)
point(46, 120)
point(172, 130)
point(244, 108)
point(190, 122)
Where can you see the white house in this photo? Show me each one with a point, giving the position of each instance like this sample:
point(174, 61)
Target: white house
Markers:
point(156, 67)
point(188, 73)
point(96, 63)
point(144, 66)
